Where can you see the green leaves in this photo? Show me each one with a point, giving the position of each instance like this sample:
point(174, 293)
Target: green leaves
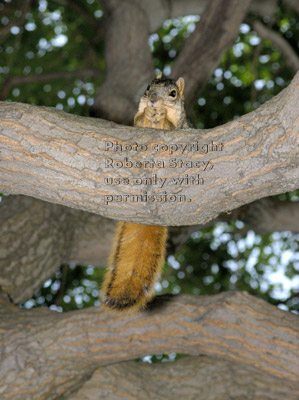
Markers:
point(225, 257)
point(57, 38)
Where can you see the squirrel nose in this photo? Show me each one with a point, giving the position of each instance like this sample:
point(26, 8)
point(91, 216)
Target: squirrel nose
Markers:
point(153, 98)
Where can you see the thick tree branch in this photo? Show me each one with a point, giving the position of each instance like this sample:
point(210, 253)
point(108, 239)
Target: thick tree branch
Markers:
point(291, 58)
point(31, 229)
point(39, 344)
point(37, 237)
point(202, 52)
point(62, 158)
point(188, 378)
point(129, 70)
point(35, 240)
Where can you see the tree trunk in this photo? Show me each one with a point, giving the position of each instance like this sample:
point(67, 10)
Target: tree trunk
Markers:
point(46, 354)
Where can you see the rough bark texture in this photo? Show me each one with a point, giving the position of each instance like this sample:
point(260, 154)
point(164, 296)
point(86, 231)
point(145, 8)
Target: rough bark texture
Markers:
point(35, 240)
point(58, 157)
point(37, 237)
point(61, 158)
point(191, 378)
point(46, 354)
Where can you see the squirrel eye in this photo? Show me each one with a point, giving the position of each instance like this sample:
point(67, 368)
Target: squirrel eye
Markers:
point(172, 93)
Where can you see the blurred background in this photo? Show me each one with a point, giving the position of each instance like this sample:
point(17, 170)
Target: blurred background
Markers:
point(54, 53)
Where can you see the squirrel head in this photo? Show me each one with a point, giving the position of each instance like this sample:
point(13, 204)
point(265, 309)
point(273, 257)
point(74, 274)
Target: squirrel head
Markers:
point(165, 93)
point(164, 90)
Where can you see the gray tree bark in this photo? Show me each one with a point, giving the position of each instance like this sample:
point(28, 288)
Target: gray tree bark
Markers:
point(190, 378)
point(64, 159)
point(45, 354)
point(59, 158)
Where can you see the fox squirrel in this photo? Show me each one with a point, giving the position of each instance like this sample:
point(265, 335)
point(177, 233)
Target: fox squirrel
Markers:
point(138, 251)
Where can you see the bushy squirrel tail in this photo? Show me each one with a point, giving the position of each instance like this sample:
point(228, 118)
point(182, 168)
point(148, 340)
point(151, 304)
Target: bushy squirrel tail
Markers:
point(134, 265)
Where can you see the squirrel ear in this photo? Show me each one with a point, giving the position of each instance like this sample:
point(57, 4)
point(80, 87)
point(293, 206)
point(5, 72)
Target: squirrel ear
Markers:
point(159, 76)
point(180, 84)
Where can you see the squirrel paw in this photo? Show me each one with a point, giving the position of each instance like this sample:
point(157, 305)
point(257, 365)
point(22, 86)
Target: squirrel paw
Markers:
point(155, 113)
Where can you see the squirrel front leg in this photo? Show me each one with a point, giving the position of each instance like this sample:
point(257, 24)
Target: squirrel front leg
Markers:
point(146, 117)
point(153, 117)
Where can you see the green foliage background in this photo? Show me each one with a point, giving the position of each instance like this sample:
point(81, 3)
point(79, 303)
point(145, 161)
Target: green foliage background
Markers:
point(56, 38)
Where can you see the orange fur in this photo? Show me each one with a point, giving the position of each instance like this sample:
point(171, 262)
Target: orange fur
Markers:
point(138, 251)
point(135, 262)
